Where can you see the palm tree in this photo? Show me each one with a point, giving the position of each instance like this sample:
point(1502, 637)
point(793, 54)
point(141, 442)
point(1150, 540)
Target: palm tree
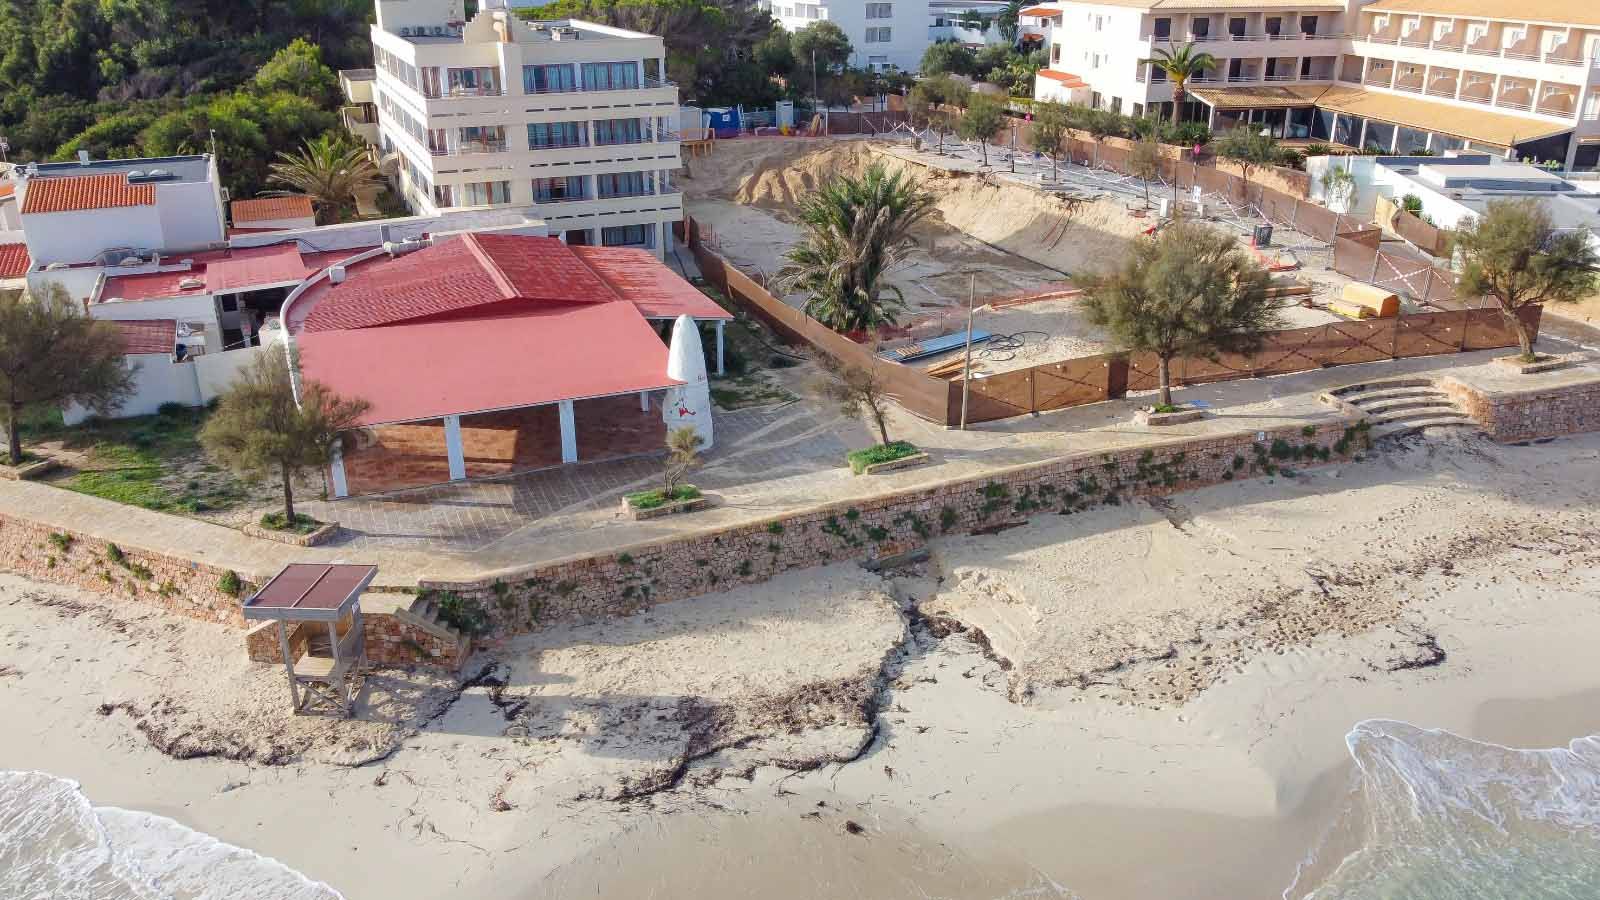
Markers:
point(1180, 64)
point(328, 171)
point(858, 229)
point(1010, 22)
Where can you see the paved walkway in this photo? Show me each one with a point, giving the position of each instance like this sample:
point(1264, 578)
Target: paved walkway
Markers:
point(780, 462)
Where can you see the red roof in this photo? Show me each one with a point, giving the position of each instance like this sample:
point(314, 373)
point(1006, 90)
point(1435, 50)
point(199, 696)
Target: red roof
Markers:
point(1040, 12)
point(305, 590)
point(148, 335)
point(253, 266)
point(80, 192)
point(14, 260)
point(462, 276)
point(226, 271)
point(657, 291)
point(7, 188)
point(1065, 78)
point(431, 369)
point(266, 209)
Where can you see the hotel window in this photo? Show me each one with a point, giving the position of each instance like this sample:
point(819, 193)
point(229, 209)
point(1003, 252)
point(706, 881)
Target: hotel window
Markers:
point(610, 76)
point(618, 131)
point(482, 139)
point(546, 135)
point(627, 236)
point(623, 184)
point(877, 35)
point(484, 193)
point(1236, 27)
point(1055, 53)
point(1274, 26)
point(1200, 27)
point(549, 79)
point(1163, 29)
point(880, 10)
point(482, 82)
point(550, 190)
point(1308, 24)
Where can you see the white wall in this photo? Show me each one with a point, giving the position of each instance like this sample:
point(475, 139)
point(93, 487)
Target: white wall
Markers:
point(156, 380)
point(79, 283)
point(214, 372)
point(191, 215)
point(75, 237)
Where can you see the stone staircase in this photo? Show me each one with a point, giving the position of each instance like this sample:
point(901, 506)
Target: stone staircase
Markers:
point(1399, 405)
point(423, 613)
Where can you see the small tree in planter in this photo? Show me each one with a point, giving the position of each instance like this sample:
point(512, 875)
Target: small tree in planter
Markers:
point(981, 120)
point(683, 454)
point(1145, 162)
point(1051, 132)
point(1513, 254)
point(51, 355)
point(1250, 149)
point(261, 429)
point(861, 393)
point(1190, 292)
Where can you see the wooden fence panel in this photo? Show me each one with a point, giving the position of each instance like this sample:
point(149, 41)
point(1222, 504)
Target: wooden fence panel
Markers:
point(1487, 329)
point(1001, 396)
point(1369, 340)
point(1317, 221)
point(1226, 367)
point(1295, 350)
point(1429, 333)
point(1144, 372)
point(1071, 382)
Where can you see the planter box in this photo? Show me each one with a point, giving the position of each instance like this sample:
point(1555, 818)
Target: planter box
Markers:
point(321, 536)
point(904, 462)
point(29, 470)
point(1156, 420)
point(665, 509)
point(1541, 364)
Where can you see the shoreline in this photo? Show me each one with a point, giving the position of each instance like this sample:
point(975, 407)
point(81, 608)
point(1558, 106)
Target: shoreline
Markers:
point(1222, 788)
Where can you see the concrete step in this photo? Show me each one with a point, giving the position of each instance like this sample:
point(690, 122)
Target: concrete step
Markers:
point(1409, 426)
point(424, 614)
point(1343, 393)
point(1405, 415)
point(1379, 396)
point(1435, 403)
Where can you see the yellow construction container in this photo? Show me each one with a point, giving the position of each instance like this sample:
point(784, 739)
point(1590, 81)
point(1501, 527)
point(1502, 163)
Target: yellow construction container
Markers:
point(1381, 304)
point(1349, 310)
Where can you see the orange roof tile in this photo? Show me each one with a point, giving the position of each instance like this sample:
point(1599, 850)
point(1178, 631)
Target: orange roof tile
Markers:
point(14, 260)
point(148, 336)
point(262, 209)
point(7, 188)
point(1065, 78)
point(80, 192)
point(1040, 12)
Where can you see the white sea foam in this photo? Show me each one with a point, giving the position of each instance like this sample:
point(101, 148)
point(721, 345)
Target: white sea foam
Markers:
point(1442, 816)
point(54, 844)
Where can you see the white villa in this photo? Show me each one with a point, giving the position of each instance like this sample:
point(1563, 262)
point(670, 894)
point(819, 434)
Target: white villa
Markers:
point(892, 34)
point(571, 122)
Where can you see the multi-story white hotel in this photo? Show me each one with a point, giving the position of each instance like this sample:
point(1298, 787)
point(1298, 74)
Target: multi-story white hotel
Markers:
point(893, 33)
point(1394, 75)
point(571, 120)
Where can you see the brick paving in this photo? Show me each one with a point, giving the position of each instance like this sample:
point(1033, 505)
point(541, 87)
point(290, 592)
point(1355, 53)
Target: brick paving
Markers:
point(753, 445)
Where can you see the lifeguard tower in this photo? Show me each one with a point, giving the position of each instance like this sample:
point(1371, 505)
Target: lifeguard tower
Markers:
point(325, 667)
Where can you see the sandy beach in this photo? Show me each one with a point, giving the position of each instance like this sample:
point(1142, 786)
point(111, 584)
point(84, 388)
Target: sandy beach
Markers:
point(1145, 700)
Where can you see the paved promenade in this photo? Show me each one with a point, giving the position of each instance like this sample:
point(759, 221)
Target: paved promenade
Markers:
point(779, 462)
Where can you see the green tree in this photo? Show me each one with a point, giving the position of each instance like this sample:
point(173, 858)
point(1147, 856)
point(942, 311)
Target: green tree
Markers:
point(992, 57)
point(1010, 20)
point(1052, 132)
point(982, 119)
point(1191, 291)
point(1513, 253)
point(857, 230)
point(949, 58)
point(823, 41)
point(1180, 64)
point(1250, 148)
point(857, 391)
point(683, 452)
point(928, 100)
point(1101, 124)
point(51, 355)
point(1144, 162)
point(298, 68)
point(330, 172)
point(261, 429)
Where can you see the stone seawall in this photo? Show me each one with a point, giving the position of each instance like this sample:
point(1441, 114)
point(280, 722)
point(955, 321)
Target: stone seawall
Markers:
point(631, 579)
point(83, 561)
point(390, 642)
point(1512, 415)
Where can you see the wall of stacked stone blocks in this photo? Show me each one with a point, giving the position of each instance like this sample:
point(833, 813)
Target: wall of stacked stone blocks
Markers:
point(389, 642)
point(1528, 415)
point(629, 580)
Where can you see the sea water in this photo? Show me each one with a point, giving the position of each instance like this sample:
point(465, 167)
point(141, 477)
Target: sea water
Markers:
point(1437, 816)
point(54, 844)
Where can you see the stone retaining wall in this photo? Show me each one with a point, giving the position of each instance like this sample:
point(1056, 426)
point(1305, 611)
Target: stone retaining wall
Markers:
point(390, 642)
point(83, 561)
point(631, 579)
point(1528, 415)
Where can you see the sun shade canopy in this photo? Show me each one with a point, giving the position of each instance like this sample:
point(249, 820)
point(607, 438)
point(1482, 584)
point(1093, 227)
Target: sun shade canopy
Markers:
point(310, 592)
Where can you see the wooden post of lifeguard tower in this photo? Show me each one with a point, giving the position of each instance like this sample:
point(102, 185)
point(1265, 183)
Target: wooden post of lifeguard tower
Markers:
point(326, 677)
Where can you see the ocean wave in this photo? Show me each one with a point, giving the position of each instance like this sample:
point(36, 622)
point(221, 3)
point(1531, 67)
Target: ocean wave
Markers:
point(1437, 815)
point(54, 844)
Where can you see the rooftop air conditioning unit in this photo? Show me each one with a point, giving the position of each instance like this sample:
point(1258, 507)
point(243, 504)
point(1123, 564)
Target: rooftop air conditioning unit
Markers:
point(405, 31)
point(159, 173)
point(56, 266)
point(540, 26)
point(131, 261)
point(136, 173)
point(189, 283)
point(336, 274)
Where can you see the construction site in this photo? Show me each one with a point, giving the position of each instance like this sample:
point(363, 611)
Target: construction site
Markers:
point(1009, 238)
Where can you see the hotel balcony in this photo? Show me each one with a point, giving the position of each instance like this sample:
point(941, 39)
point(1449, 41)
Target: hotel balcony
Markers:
point(1409, 79)
point(1444, 83)
point(1527, 44)
point(361, 120)
point(1515, 94)
point(1378, 74)
point(357, 84)
point(1478, 88)
point(1558, 100)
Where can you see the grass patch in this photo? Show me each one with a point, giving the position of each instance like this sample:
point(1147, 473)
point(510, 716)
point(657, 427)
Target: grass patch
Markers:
point(656, 497)
point(1164, 408)
point(302, 524)
point(880, 453)
point(745, 391)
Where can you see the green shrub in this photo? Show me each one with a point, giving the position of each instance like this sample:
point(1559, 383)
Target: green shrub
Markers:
point(656, 497)
point(302, 524)
point(61, 540)
point(774, 528)
point(880, 453)
point(230, 584)
point(461, 613)
point(115, 554)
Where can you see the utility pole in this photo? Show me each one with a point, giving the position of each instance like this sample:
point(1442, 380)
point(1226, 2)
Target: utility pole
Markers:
point(966, 371)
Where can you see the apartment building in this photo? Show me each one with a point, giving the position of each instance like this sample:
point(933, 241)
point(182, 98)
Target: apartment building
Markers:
point(895, 33)
point(1397, 76)
point(571, 121)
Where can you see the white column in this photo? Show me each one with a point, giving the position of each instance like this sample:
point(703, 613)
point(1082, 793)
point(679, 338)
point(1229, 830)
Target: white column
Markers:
point(569, 433)
point(452, 448)
point(341, 487)
point(644, 401)
point(720, 370)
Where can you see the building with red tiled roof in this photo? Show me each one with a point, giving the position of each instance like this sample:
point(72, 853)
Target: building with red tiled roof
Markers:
point(14, 261)
point(75, 212)
point(272, 213)
point(84, 192)
point(491, 353)
point(148, 336)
